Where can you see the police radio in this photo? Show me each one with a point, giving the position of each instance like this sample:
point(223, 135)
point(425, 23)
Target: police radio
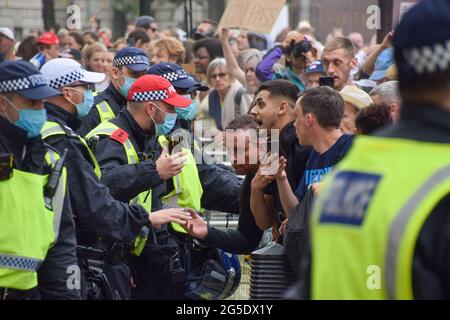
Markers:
point(53, 180)
point(6, 166)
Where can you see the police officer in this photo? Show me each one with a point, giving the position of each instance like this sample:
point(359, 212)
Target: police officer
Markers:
point(125, 155)
point(220, 187)
point(34, 207)
point(98, 214)
point(380, 229)
point(128, 65)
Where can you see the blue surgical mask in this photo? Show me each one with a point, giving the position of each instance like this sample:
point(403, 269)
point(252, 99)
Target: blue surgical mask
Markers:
point(127, 85)
point(189, 112)
point(85, 106)
point(30, 120)
point(167, 126)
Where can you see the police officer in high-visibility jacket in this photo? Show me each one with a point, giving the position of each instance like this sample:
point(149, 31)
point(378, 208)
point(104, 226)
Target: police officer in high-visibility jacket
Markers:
point(380, 229)
point(128, 65)
point(134, 169)
point(37, 231)
point(102, 221)
point(220, 187)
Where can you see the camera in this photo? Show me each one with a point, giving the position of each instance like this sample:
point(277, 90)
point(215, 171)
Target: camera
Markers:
point(299, 48)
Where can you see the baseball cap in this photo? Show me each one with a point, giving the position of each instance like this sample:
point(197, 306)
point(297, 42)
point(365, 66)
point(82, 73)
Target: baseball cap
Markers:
point(7, 33)
point(133, 58)
point(48, 38)
point(25, 79)
point(422, 41)
point(356, 97)
point(155, 88)
point(383, 62)
point(177, 76)
point(144, 22)
point(64, 71)
point(315, 67)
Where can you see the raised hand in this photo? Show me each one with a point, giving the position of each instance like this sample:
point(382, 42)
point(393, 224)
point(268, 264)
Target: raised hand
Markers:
point(169, 166)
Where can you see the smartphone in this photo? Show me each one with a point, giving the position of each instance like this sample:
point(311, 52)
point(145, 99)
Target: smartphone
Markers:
point(326, 81)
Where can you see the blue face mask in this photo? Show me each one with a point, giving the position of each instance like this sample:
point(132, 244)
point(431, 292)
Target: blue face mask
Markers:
point(30, 120)
point(189, 112)
point(167, 126)
point(126, 86)
point(85, 106)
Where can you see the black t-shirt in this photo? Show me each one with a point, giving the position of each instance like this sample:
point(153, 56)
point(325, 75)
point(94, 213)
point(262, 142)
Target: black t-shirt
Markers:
point(319, 165)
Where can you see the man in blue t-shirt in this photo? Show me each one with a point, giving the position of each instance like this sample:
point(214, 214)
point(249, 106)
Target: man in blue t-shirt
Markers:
point(319, 113)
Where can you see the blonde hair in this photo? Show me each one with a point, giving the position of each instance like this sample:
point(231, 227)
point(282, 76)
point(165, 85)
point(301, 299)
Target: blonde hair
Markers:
point(173, 47)
point(340, 43)
point(88, 52)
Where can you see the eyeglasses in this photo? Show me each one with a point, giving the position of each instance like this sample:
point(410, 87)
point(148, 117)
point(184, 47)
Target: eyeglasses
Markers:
point(220, 75)
point(201, 57)
point(85, 87)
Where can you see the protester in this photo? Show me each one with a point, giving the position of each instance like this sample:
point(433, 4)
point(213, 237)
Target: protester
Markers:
point(298, 52)
point(319, 113)
point(48, 44)
point(93, 58)
point(168, 50)
point(149, 25)
point(377, 63)
point(372, 118)
point(312, 74)
point(246, 238)
point(274, 111)
point(387, 93)
point(7, 41)
point(73, 40)
point(338, 58)
point(205, 51)
point(354, 100)
point(246, 74)
point(139, 39)
point(206, 29)
point(227, 99)
point(27, 48)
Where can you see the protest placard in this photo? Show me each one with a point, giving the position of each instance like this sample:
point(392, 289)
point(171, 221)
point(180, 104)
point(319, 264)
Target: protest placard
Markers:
point(254, 15)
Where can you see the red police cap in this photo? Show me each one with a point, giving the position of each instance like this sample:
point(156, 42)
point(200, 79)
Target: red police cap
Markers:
point(156, 88)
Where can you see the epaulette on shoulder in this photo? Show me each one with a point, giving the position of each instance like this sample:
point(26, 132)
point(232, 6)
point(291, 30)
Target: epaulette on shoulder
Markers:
point(119, 135)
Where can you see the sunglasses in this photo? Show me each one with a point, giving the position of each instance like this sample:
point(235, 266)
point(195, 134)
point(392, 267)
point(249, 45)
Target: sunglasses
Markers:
point(219, 75)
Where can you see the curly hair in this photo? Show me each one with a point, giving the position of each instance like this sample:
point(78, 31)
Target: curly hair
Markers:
point(372, 118)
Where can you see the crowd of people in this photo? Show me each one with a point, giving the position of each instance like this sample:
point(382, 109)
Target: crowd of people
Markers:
point(92, 167)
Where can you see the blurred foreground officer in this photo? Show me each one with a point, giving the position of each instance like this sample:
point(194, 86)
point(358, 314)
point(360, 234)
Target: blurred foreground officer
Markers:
point(128, 65)
point(98, 214)
point(34, 211)
point(381, 228)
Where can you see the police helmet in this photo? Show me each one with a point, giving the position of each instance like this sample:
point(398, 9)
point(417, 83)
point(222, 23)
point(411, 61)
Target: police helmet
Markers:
point(215, 275)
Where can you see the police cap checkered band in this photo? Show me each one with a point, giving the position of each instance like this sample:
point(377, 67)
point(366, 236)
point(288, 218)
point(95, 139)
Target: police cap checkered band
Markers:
point(429, 59)
point(128, 60)
point(24, 83)
point(150, 96)
point(68, 78)
point(176, 75)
